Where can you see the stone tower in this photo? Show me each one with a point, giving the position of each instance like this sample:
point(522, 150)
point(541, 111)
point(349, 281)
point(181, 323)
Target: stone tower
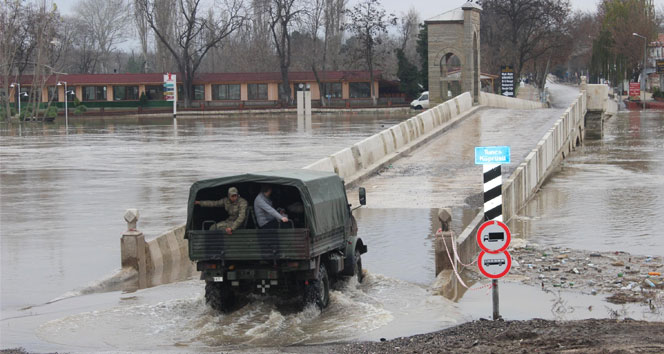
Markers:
point(454, 53)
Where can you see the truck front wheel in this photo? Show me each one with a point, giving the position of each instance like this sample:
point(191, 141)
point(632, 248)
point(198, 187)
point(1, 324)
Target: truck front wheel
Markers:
point(219, 296)
point(358, 266)
point(318, 290)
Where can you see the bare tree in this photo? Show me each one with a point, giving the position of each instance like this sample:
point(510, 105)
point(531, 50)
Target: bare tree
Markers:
point(194, 34)
point(369, 22)
point(143, 30)
point(314, 21)
point(164, 20)
point(335, 11)
point(520, 31)
point(108, 21)
point(408, 30)
point(283, 15)
point(11, 41)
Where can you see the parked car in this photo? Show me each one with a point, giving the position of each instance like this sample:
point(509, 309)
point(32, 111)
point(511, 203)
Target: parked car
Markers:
point(421, 102)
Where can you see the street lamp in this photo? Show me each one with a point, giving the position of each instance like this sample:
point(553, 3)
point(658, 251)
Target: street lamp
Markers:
point(60, 83)
point(643, 85)
point(19, 97)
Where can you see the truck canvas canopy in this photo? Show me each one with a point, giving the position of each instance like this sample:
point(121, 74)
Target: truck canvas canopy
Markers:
point(322, 195)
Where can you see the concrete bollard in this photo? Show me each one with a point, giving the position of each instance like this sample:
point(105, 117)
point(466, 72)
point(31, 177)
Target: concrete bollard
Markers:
point(444, 236)
point(584, 83)
point(132, 248)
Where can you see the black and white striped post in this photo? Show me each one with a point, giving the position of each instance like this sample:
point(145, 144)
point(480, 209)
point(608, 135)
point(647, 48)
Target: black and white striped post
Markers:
point(493, 193)
point(490, 158)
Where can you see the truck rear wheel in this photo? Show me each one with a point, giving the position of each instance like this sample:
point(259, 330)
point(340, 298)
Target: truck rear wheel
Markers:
point(318, 290)
point(219, 296)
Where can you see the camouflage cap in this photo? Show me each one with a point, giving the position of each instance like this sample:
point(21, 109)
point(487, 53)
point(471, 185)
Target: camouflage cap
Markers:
point(232, 191)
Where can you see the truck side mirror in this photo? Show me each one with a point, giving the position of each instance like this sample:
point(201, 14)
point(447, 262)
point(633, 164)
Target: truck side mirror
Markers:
point(363, 196)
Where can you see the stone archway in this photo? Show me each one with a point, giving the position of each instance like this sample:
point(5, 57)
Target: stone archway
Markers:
point(450, 76)
point(454, 34)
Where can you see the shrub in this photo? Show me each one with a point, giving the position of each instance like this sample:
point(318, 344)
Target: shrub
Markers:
point(27, 112)
point(77, 102)
point(80, 109)
point(52, 112)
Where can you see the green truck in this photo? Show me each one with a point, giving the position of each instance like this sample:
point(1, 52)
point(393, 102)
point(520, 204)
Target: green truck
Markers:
point(299, 260)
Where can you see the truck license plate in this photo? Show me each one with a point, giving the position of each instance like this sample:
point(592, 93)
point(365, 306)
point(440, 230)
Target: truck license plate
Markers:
point(218, 279)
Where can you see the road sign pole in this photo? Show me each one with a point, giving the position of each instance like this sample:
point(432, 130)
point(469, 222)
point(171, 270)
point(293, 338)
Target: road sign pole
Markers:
point(491, 158)
point(496, 310)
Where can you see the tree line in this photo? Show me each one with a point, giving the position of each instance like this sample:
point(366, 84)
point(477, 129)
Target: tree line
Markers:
point(193, 36)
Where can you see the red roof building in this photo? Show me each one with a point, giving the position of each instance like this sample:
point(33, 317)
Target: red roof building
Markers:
point(207, 87)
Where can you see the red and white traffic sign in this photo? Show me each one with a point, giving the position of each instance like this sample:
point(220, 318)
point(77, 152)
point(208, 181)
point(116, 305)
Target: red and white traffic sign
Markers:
point(493, 236)
point(494, 265)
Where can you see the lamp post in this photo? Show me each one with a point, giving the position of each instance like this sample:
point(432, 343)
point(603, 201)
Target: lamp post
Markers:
point(645, 53)
point(18, 102)
point(60, 83)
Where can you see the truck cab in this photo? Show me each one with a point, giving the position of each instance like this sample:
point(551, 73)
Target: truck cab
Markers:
point(299, 259)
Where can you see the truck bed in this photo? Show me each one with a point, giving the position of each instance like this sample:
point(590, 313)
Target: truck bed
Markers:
point(255, 245)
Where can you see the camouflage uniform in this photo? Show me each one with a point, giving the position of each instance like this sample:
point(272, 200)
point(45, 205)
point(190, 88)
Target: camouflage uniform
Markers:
point(237, 212)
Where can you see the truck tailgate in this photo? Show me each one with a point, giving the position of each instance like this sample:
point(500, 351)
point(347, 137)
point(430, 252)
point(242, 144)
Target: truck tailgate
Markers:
point(250, 245)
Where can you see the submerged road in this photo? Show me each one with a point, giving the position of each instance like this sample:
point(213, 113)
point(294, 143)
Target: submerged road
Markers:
point(443, 173)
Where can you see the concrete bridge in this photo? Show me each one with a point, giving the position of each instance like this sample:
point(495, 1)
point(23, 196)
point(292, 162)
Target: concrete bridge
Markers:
point(405, 166)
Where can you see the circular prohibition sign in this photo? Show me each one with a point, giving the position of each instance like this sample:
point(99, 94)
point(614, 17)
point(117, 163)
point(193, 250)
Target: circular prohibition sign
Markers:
point(502, 264)
point(506, 236)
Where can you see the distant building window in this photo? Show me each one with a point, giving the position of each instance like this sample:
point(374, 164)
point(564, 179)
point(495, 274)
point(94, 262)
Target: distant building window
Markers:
point(332, 90)
point(154, 92)
point(257, 91)
point(197, 90)
point(94, 93)
point(359, 90)
point(52, 93)
point(226, 92)
point(125, 93)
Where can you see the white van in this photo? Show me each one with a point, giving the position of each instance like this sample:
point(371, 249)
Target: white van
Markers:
point(422, 102)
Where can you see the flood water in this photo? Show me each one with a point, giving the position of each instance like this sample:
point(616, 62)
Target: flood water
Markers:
point(63, 196)
point(608, 195)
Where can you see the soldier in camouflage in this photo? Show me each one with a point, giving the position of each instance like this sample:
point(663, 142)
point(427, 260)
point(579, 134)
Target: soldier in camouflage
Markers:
point(235, 206)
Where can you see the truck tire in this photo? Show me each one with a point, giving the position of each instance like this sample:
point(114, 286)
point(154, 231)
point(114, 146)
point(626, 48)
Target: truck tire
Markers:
point(219, 296)
point(357, 266)
point(318, 290)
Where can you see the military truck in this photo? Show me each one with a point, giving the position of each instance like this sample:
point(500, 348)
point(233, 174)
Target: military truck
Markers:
point(299, 260)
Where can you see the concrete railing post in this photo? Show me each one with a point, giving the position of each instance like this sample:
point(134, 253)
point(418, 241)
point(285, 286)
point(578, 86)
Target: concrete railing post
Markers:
point(444, 237)
point(132, 248)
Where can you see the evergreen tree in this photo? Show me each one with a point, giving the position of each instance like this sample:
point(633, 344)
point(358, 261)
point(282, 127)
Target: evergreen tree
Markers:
point(423, 51)
point(408, 76)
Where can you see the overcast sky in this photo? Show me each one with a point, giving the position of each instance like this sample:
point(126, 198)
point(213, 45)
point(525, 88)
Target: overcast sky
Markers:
point(426, 8)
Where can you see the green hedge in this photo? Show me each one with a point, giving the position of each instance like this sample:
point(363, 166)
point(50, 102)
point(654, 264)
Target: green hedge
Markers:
point(103, 104)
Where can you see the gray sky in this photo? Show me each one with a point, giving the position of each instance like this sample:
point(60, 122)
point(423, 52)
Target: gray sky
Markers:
point(426, 8)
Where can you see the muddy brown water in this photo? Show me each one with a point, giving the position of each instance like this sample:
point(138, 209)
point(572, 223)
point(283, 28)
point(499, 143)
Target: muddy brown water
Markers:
point(394, 301)
point(63, 195)
point(608, 195)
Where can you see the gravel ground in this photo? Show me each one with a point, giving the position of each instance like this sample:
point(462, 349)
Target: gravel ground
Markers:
point(540, 336)
point(619, 275)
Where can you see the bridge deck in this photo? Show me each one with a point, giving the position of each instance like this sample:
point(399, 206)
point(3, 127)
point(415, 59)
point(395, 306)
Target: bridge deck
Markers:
point(443, 173)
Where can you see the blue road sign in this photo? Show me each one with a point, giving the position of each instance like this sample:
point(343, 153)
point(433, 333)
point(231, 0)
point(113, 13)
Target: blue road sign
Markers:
point(496, 155)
